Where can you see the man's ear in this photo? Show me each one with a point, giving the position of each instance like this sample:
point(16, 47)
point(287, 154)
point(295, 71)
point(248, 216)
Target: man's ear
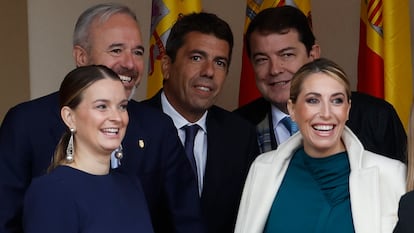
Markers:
point(165, 66)
point(68, 117)
point(315, 52)
point(80, 56)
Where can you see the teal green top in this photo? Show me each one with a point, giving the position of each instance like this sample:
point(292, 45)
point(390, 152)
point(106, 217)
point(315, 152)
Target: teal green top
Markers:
point(313, 196)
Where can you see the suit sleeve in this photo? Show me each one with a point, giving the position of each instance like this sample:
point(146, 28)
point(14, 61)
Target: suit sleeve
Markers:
point(14, 170)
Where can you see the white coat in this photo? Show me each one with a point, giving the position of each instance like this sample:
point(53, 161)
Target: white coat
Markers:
point(376, 184)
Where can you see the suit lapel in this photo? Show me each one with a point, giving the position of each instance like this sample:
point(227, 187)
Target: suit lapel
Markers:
point(266, 177)
point(265, 132)
point(215, 150)
point(364, 188)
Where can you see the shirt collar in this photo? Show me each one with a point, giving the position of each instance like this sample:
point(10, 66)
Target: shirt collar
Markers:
point(178, 119)
point(277, 115)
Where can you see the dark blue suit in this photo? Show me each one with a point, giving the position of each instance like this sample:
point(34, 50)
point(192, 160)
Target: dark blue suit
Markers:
point(231, 148)
point(152, 151)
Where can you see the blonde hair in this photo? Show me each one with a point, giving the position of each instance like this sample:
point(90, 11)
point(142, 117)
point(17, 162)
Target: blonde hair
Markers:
point(321, 65)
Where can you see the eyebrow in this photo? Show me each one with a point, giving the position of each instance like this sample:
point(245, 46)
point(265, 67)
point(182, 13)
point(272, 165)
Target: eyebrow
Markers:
point(101, 100)
point(333, 95)
point(277, 52)
point(123, 45)
point(286, 49)
point(140, 47)
point(203, 53)
point(108, 101)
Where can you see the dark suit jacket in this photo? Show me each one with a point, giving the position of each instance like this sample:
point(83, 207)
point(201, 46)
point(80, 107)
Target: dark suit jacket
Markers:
point(231, 148)
point(373, 120)
point(31, 131)
point(405, 222)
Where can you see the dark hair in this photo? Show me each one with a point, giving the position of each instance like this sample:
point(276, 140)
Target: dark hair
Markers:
point(203, 22)
point(321, 65)
point(281, 20)
point(100, 12)
point(71, 95)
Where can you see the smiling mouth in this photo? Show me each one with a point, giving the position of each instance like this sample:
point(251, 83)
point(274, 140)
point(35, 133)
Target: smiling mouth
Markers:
point(281, 83)
point(323, 127)
point(125, 78)
point(203, 88)
point(111, 131)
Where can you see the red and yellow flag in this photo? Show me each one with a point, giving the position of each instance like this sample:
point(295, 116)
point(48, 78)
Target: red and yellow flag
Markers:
point(164, 14)
point(384, 62)
point(248, 91)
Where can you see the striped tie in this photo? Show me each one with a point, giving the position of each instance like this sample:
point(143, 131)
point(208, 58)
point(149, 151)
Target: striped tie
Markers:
point(290, 125)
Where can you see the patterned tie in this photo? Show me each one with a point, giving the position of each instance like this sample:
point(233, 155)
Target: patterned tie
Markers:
point(290, 125)
point(190, 133)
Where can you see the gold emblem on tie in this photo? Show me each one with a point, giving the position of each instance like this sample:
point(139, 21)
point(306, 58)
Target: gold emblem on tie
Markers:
point(141, 143)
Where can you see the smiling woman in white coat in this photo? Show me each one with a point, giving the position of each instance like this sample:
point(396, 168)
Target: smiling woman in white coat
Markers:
point(321, 179)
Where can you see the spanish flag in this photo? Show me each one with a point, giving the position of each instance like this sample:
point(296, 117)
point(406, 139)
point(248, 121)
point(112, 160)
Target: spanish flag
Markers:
point(248, 91)
point(164, 14)
point(384, 60)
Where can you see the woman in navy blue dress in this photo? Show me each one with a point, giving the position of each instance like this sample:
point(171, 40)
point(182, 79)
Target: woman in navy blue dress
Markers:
point(80, 193)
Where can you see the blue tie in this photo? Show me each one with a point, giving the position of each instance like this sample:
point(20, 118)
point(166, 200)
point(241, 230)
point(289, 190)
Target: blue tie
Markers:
point(290, 125)
point(190, 133)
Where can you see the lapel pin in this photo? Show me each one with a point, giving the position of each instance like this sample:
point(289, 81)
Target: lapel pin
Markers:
point(141, 143)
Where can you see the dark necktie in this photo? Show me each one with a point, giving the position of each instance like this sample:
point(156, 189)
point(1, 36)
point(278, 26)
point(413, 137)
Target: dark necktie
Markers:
point(290, 125)
point(190, 133)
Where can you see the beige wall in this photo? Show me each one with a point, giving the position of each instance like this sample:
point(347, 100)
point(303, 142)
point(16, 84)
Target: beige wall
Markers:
point(14, 62)
point(336, 25)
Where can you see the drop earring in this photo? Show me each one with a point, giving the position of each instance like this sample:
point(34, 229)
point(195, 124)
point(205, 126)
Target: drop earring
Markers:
point(70, 149)
point(119, 154)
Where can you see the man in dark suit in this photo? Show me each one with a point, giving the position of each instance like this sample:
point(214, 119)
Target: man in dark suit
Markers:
point(106, 34)
point(279, 41)
point(198, 54)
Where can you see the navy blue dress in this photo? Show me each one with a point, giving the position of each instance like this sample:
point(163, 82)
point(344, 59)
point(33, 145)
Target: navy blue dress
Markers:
point(71, 201)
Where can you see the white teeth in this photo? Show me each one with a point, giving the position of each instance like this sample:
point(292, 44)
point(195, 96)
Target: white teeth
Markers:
point(323, 127)
point(281, 83)
point(125, 78)
point(111, 130)
point(204, 88)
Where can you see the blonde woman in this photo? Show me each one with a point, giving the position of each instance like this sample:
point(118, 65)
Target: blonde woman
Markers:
point(321, 179)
